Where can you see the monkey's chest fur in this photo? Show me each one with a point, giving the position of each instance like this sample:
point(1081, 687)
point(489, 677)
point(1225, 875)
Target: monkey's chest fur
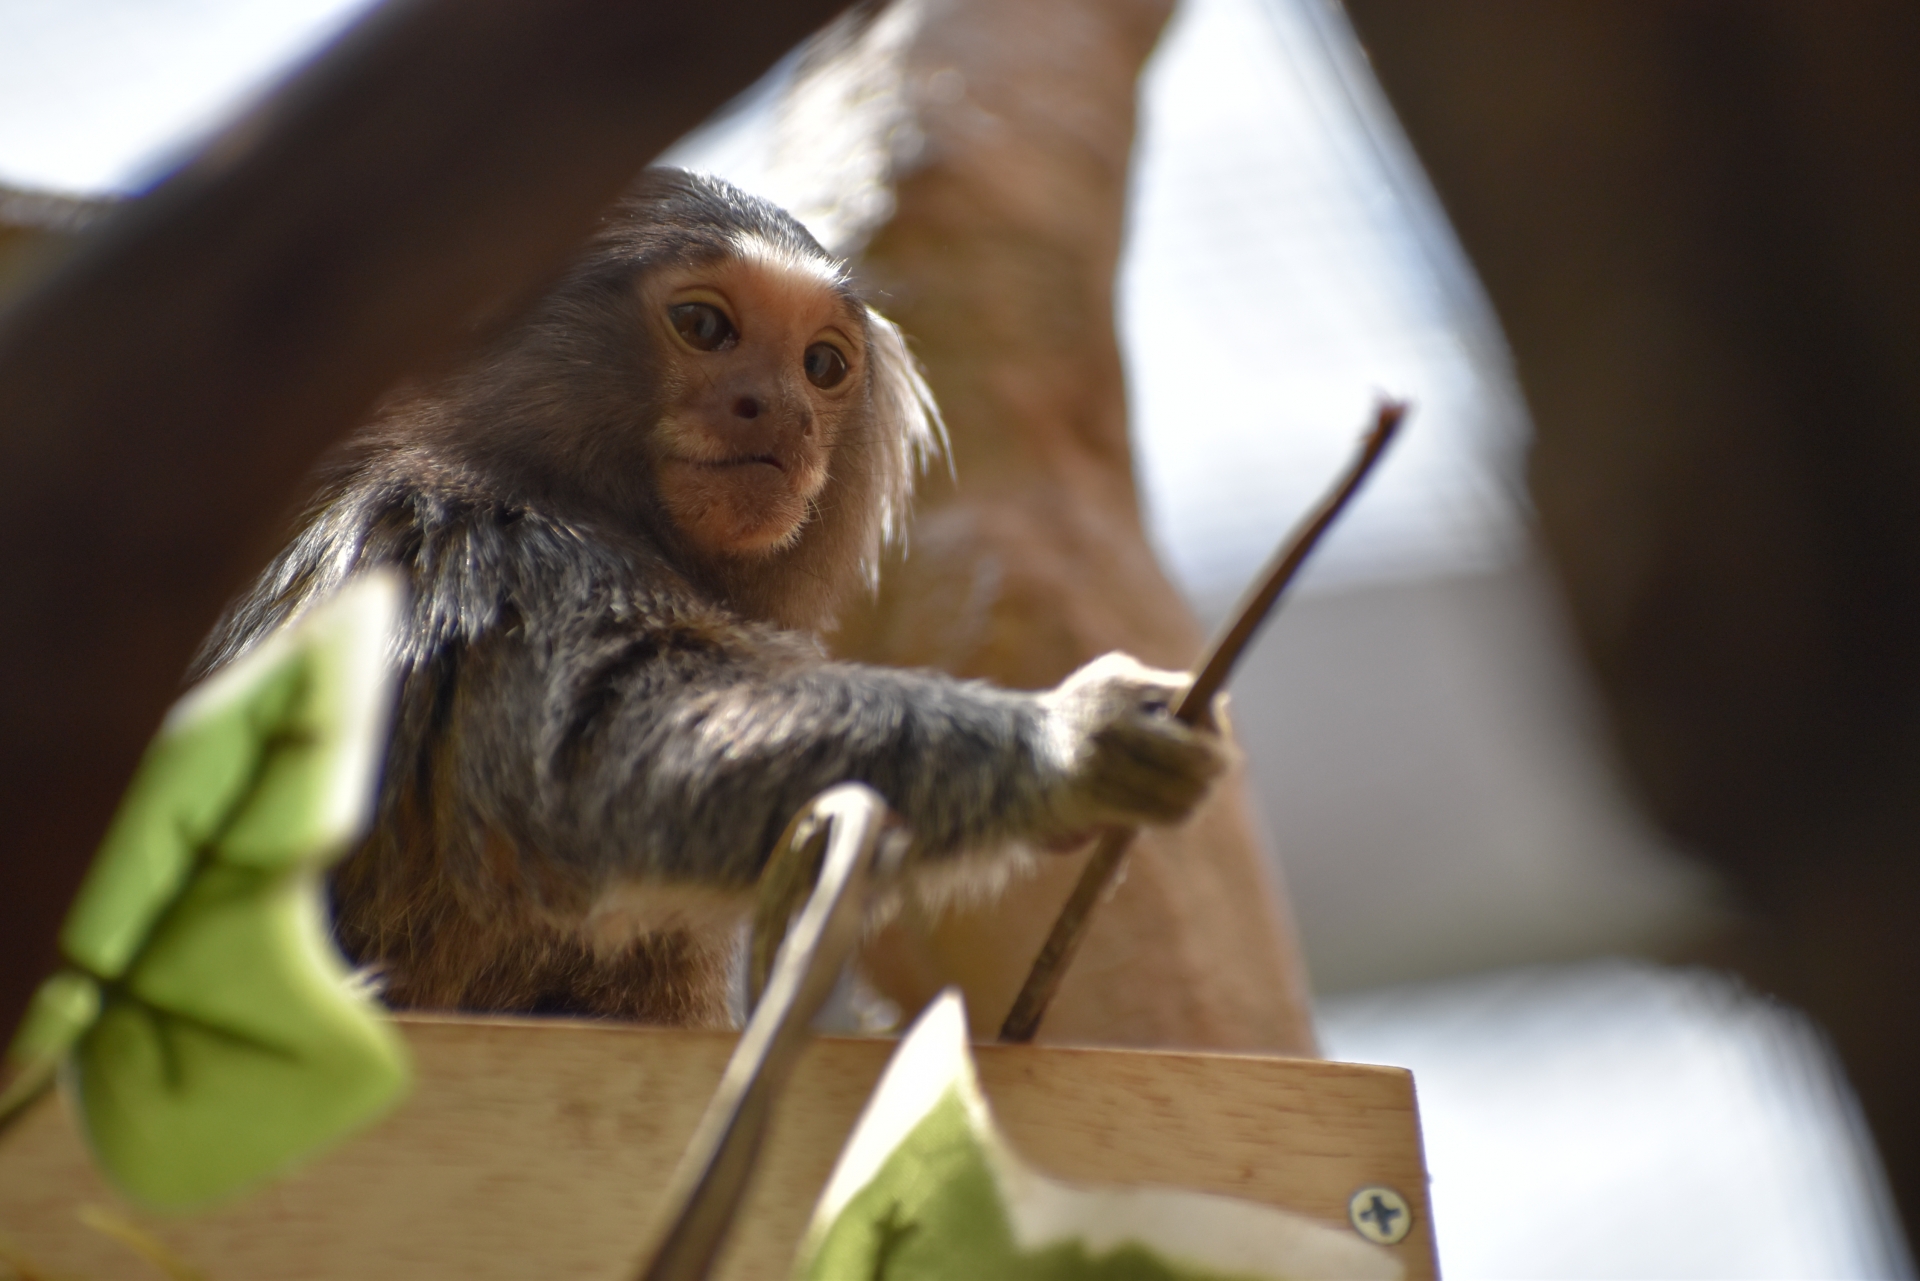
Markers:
point(469, 921)
point(484, 883)
point(551, 678)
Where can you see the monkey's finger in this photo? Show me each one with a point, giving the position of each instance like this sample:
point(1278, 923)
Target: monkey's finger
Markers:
point(1173, 742)
point(1216, 717)
point(1119, 680)
point(1157, 696)
point(1155, 777)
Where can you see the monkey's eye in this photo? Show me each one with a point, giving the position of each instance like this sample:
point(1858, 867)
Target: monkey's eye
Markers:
point(705, 327)
point(825, 365)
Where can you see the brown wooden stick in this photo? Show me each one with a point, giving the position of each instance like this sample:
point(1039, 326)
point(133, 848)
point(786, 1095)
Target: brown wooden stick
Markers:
point(1043, 980)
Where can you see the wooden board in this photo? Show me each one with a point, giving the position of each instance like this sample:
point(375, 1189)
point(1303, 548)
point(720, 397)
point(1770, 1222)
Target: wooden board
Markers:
point(539, 1150)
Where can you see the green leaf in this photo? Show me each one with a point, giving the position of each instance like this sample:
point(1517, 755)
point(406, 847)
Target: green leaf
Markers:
point(236, 1045)
point(927, 1189)
point(268, 763)
point(215, 1033)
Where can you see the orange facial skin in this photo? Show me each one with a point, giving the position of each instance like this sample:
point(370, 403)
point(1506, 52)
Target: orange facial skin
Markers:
point(766, 357)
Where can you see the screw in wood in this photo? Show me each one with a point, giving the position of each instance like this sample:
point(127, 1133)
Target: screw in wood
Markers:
point(1380, 1214)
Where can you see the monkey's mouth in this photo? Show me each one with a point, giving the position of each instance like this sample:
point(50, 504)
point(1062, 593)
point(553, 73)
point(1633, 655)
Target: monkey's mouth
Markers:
point(742, 503)
point(745, 460)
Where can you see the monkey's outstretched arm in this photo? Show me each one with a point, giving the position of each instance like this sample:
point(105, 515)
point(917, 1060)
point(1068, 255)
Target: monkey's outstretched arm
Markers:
point(662, 754)
point(721, 769)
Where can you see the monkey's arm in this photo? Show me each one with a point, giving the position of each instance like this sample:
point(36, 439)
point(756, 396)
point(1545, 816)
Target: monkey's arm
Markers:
point(674, 753)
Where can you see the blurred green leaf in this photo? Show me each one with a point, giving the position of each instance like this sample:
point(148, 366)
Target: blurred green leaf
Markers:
point(927, 1189)
point(214, 1033)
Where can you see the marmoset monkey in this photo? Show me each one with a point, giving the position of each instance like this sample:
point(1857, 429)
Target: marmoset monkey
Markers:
point(621, 525)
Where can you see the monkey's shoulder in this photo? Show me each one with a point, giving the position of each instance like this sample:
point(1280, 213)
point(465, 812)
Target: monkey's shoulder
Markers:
point(477, 561)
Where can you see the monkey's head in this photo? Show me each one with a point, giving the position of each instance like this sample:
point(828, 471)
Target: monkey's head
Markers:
point(706, 372)
point(763, 371)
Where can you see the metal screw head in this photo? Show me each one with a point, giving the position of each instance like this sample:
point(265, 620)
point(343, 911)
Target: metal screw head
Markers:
point(1380, 1214)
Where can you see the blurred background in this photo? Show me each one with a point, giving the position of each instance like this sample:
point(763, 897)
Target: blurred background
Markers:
point(1479, 900)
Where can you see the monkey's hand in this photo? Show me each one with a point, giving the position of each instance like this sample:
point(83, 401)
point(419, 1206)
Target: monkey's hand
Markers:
point(1118, 754)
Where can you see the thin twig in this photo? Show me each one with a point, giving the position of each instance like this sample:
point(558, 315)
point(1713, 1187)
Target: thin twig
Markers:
point(1023, 1020)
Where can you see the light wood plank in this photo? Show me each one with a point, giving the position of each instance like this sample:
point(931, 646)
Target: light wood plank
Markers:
point(539, 1149)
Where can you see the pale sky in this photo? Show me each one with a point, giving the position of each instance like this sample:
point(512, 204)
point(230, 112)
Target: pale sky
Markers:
point(96, 94)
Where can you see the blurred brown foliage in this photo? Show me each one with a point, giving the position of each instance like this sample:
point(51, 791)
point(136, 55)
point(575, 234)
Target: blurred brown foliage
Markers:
point(1700, 224)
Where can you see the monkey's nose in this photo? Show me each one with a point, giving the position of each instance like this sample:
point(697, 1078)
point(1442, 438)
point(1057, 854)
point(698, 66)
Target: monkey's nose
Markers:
point(746, 407)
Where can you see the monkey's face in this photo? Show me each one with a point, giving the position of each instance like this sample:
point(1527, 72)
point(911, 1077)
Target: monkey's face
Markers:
point(764, 370)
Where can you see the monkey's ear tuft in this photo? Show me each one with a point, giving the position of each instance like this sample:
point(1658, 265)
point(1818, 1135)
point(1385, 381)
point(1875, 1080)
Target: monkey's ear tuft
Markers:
point(902, 400)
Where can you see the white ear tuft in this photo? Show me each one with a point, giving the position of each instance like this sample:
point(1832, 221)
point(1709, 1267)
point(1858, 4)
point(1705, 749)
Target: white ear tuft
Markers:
point(901, 399)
